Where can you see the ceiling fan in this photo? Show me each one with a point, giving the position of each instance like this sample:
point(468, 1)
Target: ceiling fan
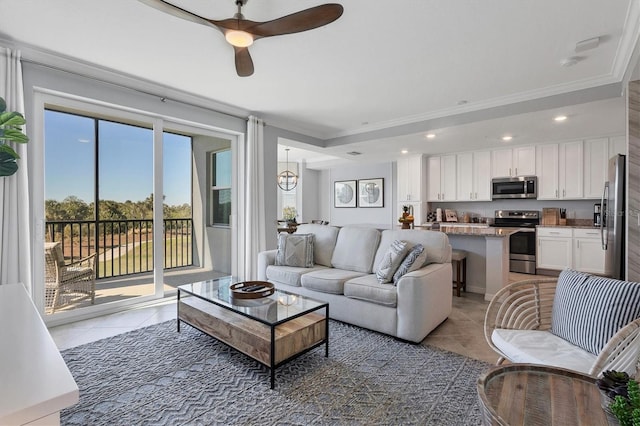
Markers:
point(241, 32)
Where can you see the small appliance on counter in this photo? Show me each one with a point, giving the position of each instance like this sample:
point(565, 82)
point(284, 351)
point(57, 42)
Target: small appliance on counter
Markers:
point(597, 216)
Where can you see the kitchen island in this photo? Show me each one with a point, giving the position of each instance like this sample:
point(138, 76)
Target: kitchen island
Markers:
point(488, 254)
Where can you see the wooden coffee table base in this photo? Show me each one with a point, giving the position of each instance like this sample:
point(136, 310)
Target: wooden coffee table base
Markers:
point(269, 345)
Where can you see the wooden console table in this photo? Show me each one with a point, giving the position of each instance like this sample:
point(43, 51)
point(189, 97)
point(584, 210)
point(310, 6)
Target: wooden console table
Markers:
point(526, 394)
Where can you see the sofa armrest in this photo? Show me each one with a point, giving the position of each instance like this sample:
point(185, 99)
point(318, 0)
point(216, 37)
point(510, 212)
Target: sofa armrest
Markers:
point(424, 300)
point(265, 258)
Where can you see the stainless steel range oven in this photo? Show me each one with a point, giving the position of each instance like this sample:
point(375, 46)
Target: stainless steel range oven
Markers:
point(522, 244)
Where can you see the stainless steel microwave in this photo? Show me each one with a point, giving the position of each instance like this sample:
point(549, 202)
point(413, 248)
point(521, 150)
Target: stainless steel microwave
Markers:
point(514, 187)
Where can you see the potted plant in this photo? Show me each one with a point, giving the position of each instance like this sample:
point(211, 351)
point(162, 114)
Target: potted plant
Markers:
point(10, 131)
point(289, 214)
point(621, 397)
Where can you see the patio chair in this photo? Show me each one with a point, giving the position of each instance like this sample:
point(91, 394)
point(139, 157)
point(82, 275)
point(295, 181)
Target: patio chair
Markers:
point(67, 283)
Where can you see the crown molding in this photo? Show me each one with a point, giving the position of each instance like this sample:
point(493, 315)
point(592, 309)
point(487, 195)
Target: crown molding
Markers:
point(628, 41)
point(73, 65)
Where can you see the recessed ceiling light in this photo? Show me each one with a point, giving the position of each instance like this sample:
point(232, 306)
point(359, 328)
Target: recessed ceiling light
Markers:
point(431, 135)
point(560, 117)
point(507, 138)
point(404, 151)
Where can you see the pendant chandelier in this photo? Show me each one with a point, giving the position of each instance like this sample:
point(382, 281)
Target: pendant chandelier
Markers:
point(287, 180)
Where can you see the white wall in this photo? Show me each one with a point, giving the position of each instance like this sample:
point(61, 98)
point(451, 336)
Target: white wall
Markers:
point(212, 243)
point(380, 217)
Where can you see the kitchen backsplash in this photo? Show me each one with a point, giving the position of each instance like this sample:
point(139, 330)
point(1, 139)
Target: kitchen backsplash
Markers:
point(579, 212)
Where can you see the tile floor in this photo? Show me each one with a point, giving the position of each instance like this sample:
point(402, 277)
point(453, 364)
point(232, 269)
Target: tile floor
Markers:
point(462, 332)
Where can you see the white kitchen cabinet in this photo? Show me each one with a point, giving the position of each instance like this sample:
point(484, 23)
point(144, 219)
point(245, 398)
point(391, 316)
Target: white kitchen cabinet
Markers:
point(555, 248)
point(482, 176)
point(442, 178)
point(547, 171)
point(559, 171)
point(570, 171)
point(588, 255)
point(411, 178)
point(578, 248)
point(519, 161)
point(596, 161)
point(473, 176)
point(617, 145)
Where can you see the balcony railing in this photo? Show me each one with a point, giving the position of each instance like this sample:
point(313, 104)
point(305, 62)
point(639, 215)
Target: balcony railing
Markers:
point(124, 247)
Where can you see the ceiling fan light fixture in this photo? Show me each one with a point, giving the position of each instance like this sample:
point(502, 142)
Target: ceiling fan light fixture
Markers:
point(239, 38)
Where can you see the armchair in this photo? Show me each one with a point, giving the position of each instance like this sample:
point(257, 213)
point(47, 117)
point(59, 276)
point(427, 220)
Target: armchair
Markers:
point(67, 283)
point(518, 325)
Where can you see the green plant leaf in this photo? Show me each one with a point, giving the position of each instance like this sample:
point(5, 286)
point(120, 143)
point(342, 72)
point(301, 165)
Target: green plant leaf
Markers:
point(8, 165)
point(3, 105)
point(7, 150)
point(11, 119)
point(13, 135)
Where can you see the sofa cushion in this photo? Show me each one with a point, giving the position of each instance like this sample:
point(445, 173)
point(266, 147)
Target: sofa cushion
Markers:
point(368, 288)
point(323, 243)
point(413, 261)
point(391, 260)
point(589, 310)
point(329, 280)
point(542, 347)
point(355, 249)
point(436, 244)
point(295, 250)
point(289, 275)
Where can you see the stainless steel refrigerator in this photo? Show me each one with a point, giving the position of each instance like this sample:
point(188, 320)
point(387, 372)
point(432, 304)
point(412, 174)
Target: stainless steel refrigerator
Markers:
point(612, 225)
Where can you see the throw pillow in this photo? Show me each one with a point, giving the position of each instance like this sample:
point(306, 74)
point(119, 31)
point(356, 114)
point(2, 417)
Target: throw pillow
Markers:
point(390, 261)
point(413, 261)
point(589, 310)
point(295, 250)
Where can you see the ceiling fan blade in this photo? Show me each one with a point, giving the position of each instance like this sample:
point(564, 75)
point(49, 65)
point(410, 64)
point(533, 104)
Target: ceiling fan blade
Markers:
point(304, 20)
point(244, 63)
point(163, 6)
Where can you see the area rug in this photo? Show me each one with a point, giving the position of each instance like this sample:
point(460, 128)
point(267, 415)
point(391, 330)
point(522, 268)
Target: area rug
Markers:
point(157, 376)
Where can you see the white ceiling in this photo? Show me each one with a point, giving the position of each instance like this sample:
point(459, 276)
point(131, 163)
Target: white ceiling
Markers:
point(376, 79)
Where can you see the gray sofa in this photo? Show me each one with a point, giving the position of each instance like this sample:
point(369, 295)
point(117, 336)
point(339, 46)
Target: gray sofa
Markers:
point(345, 261)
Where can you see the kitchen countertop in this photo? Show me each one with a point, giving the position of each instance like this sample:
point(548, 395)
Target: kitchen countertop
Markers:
point(476, 230)
point(569, 226)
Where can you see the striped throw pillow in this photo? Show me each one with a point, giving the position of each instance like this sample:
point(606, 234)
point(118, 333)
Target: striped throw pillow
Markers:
point(391, 260)
point(413, 261)
point(295, 250)
point(589, 310)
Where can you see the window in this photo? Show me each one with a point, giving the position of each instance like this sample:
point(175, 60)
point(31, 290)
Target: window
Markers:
point(220, 188)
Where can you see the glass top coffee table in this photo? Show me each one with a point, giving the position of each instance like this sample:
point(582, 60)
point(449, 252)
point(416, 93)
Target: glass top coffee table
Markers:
point(272, 330)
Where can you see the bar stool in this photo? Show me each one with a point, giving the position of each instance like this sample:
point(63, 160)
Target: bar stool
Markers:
point(459, 261)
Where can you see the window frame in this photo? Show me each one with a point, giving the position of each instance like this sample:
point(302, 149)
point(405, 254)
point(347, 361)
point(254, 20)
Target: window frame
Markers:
point(211, 166)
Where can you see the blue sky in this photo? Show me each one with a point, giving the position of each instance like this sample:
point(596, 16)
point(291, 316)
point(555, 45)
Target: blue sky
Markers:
point(126, 160)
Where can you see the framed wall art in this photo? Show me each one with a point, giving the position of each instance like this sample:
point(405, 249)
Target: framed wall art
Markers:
point(344, 193)
point(371, 192)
